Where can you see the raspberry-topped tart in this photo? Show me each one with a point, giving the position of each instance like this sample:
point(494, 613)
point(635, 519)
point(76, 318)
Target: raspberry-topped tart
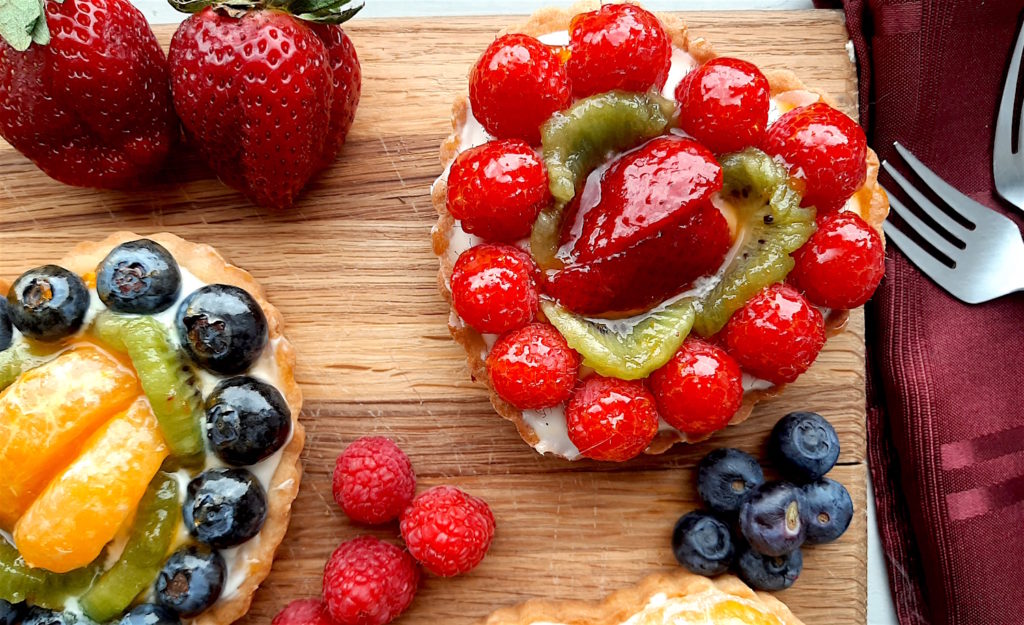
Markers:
point(149, 436)
point(640, 239)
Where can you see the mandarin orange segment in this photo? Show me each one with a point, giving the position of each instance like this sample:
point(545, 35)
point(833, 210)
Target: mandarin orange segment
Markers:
point(737, 613)
point(47, 414)
point(85, 506)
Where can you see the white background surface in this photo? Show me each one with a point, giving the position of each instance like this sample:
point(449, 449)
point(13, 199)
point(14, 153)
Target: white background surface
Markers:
point(880, 606)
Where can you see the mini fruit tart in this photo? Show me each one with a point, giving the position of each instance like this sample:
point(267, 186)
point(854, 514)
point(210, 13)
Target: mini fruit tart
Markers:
point(676, 598)
point(640, 239)
point(149, 436)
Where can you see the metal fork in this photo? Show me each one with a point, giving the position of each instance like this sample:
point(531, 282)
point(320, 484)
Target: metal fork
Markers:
point(988, 255)
point(1007, 165)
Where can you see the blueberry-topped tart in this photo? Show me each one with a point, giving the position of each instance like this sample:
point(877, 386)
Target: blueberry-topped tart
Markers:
point(640, 239)
point(149, 436)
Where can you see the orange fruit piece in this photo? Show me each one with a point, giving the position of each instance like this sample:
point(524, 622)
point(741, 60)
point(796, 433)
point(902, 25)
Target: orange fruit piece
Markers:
point(85, 506)
point(47, 414)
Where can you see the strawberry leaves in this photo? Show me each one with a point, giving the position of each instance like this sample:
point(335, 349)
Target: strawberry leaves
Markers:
point(23, 22)
point(319, 11)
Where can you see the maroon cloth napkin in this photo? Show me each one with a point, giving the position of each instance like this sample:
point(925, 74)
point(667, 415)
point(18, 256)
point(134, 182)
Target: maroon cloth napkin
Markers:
point(945, 380)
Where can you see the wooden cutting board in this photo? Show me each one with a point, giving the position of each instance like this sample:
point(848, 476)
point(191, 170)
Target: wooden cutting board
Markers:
point(351, 269)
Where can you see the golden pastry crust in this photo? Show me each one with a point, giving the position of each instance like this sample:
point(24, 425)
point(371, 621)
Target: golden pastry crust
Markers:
point(870, 196)
point(620, 606)
point(209, 266)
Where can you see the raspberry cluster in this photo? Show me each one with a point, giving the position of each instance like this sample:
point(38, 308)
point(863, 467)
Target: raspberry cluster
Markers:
point(371, 582)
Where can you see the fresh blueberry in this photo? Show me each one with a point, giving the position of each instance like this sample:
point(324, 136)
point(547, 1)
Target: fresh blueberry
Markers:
point(191, 580)
point(770, 573)
point(246, 420)
point(225, 507)
point(6, 329)
point(10, 613)
point(804, 446)
point(725, 478)
point(826, 510)
point(42, 616)
point(138, 277)
point(222, 328)
point(48, 303)
point(770, 519)
point(150, 614)
point(703, 544)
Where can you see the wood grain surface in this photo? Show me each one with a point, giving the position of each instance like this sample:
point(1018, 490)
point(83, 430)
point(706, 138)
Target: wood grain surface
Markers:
point(351, 269)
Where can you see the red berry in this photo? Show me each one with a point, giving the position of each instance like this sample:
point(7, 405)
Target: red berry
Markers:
point(611, 419)
point(303, 612)
point(447, 530)
point(497, 189)
point(533, 367)
point(619, 46)
point(369, 582)
point(516, 85)
point(494, 288)
point(699, 390)
point(373, 481)
point(724, 104)
point(842, 263)
point(776, 335)
point(823, 148)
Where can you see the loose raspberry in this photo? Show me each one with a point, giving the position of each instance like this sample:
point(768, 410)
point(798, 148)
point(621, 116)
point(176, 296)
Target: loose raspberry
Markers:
point(303, 612)
point(823, 148)
point(516, 85)
point(494, 288)
point(619, 46)
point(497, 189)
point(447, 530)
point(369, 582)
point(699, 389)
point(842, 263)
point(724, 104)
point(373, 481)
point(611, 419)
point(776, 335)
point(533, 367)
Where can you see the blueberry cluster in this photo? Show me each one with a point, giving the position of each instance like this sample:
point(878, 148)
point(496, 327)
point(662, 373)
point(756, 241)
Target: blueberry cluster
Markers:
point(222, 329)
point(759, 526)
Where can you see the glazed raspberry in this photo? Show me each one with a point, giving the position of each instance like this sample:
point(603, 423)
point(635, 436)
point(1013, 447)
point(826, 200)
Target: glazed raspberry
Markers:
point(776, 335)
point(533, 367)
point(447, 530)
point(842, 263)
point(494, 288)
point(303, 612)
point(516, 85)
point(823, 148)
point(373, 481)
point(619, 46)
point(369, 582)
point(724, 104)
point(611, 419)
point(699, 390)
point(497, 189)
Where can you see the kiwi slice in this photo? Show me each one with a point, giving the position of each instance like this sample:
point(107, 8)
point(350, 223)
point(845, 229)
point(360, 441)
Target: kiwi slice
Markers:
point(630, 348)
point(19, 582)
point(20, 358)
point(577, 140)
point(156, 523)
point(165, 378)
point(773, 225)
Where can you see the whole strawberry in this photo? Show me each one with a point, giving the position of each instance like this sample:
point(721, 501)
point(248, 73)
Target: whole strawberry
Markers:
point(84, 91)
point(266, 97)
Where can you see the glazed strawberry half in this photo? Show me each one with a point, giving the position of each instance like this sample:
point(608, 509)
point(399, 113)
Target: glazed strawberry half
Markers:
point(266, 92)
point(647, 234)
point(83, 91)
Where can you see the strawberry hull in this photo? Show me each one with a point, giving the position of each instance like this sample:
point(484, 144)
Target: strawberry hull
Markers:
point(648, 272)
